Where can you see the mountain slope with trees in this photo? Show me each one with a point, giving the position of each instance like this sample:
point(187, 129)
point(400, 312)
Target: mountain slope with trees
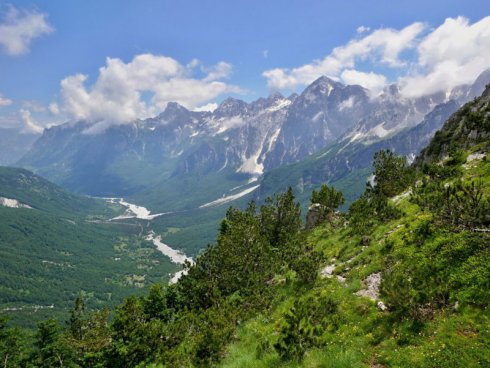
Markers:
point(401, 279)
point(57, 245)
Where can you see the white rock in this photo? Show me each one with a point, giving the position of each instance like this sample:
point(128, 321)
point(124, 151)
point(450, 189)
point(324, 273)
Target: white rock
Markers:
point(12, 203)
point(327, 271)
point(371, 283)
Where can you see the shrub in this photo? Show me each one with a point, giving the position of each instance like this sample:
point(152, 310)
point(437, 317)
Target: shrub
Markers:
point(303, 326)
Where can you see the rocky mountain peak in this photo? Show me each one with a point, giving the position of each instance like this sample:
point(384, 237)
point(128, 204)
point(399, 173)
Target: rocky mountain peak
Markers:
point(319, 89)
point(486, 92)
point(173, 112)
point(480, 84)
point(392, 90)
point(274, 96)
point(174, 107)
point(230, 107)
point(323, 85)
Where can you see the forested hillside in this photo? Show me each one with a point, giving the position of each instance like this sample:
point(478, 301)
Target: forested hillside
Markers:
point(399, 280)
point(55, 245)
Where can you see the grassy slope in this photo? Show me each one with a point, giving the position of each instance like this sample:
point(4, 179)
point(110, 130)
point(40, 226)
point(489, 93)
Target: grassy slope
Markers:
point(367, 336)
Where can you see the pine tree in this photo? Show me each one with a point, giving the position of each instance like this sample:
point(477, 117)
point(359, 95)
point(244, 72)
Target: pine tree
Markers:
point(76, 322)
point(328, 200)
point(53, 349)
point(391, 174)
point(12, 345)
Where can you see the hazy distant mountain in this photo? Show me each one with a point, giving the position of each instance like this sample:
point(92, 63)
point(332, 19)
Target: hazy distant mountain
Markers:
point(14, 144)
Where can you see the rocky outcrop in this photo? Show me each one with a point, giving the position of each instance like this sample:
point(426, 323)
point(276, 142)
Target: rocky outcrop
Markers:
point(313, 215)
point(467, 127)
point(371, 284)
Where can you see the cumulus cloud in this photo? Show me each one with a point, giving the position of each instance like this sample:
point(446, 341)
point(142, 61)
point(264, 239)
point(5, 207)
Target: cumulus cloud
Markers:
point(5, 101)
point(372, 81)
point(118, 94)
point(383, 45)
point(218, 71)
point(208, 107)
point(33, 105)
point(31, 125)
point(426, 60)
point(19, 27)
point(53, 108)
point(362, 29)
point(454, 53)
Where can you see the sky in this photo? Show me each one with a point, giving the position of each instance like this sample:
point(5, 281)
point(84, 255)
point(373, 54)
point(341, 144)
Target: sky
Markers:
point(118, 60)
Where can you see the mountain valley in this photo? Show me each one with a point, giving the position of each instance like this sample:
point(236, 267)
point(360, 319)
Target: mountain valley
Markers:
point(246, 184)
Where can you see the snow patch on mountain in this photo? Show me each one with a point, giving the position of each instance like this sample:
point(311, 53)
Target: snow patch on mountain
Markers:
point(229, 198)
point(251, 165)
point(356, 136)
point(317, 116)
point(273, 139)
point(380, 131)
point(347, 104)
point(12, 203)
point(280, 104)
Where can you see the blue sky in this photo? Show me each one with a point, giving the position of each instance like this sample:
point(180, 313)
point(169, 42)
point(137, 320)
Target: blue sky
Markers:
point(249, 38)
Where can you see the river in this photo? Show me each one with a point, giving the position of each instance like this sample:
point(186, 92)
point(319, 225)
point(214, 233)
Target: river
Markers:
point(140, 212)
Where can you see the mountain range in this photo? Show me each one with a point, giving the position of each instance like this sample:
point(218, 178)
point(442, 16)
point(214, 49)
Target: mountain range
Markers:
point(398, 280)
point(190, 162)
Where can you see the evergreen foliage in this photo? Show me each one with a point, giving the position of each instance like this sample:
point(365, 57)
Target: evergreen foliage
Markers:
point(391, 177)
point(406, 284)
point(303, 325)
point(391, 173)
point(328, 200)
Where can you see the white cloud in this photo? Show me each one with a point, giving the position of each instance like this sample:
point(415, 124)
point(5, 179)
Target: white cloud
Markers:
point(426, 60)
point(372, 81)
point(19, 27)
point(362, 29)
point(208, 107)
point(53, 108)
point(33, 105)
point(230, 123)
point(10, 120)
point(31, 125)
point(265, 54)
point(454, 53)
point(218, 71)
point(5, 101)
point(382, 46)
point(117, 94)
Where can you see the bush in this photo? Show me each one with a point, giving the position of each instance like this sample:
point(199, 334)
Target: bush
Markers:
point(303, 326)
point(328, 200)
point(457, 206)
point(392, 175)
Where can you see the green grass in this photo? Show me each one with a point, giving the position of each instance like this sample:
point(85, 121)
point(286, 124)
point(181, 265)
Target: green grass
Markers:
point(366, 336)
